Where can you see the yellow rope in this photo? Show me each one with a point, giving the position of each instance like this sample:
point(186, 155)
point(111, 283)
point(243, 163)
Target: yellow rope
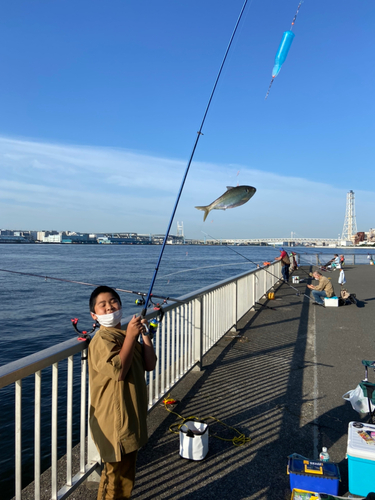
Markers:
point(238, 440)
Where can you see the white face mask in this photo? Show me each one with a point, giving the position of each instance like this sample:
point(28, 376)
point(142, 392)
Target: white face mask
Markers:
point(110, 320)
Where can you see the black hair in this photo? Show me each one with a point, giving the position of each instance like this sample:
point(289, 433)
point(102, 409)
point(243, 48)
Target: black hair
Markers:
point(98, 291)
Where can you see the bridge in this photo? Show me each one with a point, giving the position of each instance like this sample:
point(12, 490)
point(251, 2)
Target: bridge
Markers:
point(290, 241)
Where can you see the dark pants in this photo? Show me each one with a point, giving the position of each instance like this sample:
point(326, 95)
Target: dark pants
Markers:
point(285, 272)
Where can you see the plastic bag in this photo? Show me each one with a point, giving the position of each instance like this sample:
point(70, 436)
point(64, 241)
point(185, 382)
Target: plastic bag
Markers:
point(358, 400)
point(342, 279)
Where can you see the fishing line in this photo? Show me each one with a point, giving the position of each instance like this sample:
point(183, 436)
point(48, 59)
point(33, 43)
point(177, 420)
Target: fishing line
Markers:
point(264, 268)
point(321, 266)
point(203, 267)
point(199, 133)
point(143, 294)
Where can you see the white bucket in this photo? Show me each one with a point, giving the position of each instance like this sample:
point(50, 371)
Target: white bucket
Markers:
point(194, 440)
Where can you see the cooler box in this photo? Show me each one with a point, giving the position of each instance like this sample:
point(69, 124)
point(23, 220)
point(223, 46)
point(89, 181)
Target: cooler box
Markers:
point(295, 279)
point(361, 460)
point(313, 475)
point(331, 301)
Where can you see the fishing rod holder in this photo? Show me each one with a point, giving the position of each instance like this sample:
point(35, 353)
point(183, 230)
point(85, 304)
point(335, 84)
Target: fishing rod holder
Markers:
point(84, 335)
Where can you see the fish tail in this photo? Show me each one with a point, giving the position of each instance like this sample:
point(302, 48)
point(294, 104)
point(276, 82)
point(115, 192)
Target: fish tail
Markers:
point(206, 211)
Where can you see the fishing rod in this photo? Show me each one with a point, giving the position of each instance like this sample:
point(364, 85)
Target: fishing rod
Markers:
point(199, 133)
point(321, 267)
point(264, 268)
point(141, 294)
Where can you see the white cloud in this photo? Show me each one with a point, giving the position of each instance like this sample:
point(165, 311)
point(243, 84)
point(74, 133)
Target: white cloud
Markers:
point(88, 188)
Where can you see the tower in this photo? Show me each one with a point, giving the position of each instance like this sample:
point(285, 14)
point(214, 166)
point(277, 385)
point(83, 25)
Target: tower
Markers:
point(180, 229)
point(350, 224)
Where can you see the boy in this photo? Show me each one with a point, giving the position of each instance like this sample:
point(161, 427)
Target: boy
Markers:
point(118, 411)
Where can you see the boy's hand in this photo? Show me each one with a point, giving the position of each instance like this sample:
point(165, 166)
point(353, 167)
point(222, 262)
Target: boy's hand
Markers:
point(135, 326)
point(145, 327)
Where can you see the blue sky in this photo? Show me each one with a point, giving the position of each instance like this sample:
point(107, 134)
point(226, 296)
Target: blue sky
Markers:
point(100, 103)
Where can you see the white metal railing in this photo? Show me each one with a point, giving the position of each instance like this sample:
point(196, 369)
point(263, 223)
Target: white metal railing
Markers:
point(186, 334)
point(319, 259)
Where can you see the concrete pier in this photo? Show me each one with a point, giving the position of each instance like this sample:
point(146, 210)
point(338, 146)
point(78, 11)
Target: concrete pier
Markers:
point(279, 381)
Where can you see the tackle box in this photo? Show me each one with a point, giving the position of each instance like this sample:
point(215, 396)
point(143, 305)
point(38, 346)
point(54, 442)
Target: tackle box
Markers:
point(311, 495)
point(313, 475)
point(361, 458)
point(331, 301)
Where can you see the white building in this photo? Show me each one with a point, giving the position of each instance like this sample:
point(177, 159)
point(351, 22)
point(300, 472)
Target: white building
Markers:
point(49, 237)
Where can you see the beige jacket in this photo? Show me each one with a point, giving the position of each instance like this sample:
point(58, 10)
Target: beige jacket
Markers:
point(118, 409)
point(326, 285)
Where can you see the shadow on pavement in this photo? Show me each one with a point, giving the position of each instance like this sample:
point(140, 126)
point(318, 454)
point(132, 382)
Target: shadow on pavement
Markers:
point(260, 383)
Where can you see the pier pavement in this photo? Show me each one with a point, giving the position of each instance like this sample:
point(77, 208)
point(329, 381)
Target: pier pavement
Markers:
point(279, 381)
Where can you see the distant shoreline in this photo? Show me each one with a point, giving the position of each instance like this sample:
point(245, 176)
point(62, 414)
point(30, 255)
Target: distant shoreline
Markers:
point(187, 243)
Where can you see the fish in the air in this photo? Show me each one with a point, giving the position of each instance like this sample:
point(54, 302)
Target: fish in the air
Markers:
point(233, 197)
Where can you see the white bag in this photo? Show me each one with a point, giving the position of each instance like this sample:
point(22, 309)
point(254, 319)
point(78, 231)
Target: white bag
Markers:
point(358, 400)
point(194, 440)
point(342, 279)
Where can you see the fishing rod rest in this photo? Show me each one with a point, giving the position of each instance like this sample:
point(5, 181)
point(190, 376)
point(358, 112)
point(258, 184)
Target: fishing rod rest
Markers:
point(84, 335)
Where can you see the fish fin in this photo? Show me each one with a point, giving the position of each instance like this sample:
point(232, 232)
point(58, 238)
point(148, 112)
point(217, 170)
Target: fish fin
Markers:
point(206, 211)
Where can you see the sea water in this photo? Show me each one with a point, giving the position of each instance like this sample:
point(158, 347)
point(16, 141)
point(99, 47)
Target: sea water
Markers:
point(35, 313)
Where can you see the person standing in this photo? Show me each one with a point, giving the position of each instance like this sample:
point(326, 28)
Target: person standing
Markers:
point(285, 264)
point(118, 409)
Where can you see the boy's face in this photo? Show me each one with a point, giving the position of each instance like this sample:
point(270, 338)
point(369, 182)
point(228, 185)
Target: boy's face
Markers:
point(105, 303)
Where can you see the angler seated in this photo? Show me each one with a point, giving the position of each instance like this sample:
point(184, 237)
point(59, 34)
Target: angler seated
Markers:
point(323, 289)
point(334, 263)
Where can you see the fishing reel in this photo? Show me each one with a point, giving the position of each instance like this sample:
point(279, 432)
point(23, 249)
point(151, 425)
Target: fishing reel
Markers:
point(84, 335)
point(154, 323)
point(140, 302)
point(152, 327)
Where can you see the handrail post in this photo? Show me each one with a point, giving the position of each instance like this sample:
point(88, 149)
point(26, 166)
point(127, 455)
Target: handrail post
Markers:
point(92, 451)
point(254, 277)
point(198, 333)
point(235, 305)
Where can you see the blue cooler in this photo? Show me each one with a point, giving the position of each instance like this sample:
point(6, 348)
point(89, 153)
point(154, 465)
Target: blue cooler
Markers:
point(361, 459)
point(313, 475)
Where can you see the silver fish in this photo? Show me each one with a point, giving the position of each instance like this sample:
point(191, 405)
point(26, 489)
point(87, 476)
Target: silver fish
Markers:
point(233, 197)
